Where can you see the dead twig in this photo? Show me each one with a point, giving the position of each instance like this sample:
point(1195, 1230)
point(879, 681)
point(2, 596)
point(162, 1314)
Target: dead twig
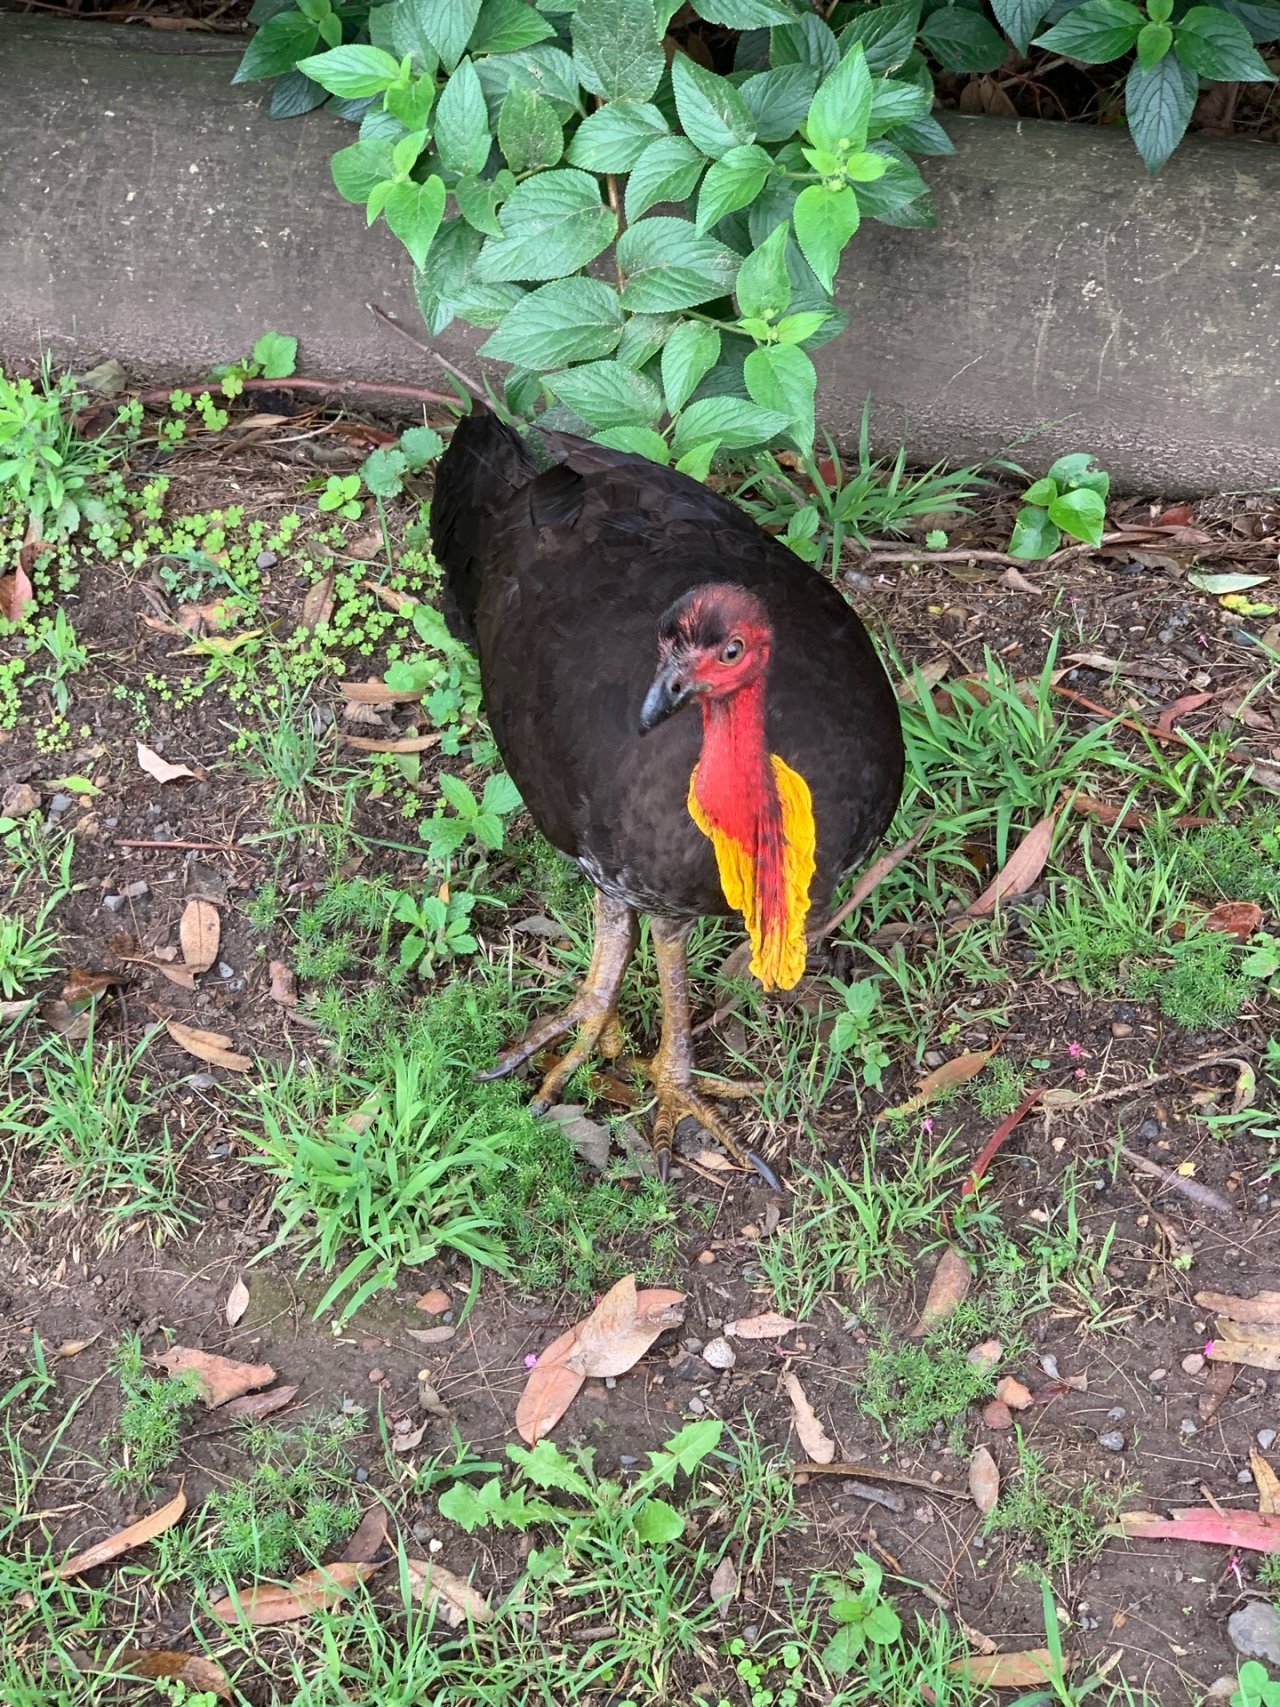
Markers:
point(336, 387)
point(878, 1473)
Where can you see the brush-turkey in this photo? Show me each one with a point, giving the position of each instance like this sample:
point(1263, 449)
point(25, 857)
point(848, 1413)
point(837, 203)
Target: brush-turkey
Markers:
point(689, 711)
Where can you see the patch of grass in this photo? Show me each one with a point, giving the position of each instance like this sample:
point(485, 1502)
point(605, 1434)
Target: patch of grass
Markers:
point(27, 956)
point(153, 1413)
point(1061, 1520)
point(912, 1387)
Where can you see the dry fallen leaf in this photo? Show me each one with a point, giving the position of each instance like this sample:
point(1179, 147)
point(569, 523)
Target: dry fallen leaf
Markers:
point(455, 1600)
point(217, 1378)
point(984, 1480)
point(390, 596)
point(724, 1583)
point(1011, 1392)
point(159, 768)
point(1265, 1307)
point(401, 744)
point(813, 1437)
point(1268, 1485)
point(284, 984)
point(434, 1336)
point(274, 1603)
point(769, 1326)
point(1007, 1671)
point(368, 1535)
point(258, 1405)
point(199, 932)
point(947, 1291)
point(317, 607)
point(237, 1303)
point(374, 692)
point(997, 1414)
point(198, 1673)
point(211, 1046)
point(611, 1340)
point(957, 1071)
point(1254, 1531)
point(133, 1535)
point(182, 976)
point(435, 1302)
point(1019, 871)
point(1257, 1345)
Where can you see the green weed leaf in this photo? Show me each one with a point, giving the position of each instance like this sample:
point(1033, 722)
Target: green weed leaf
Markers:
point(613, 138)
point(691, 351)
point(667, 171)
point(617, 49)
point(552, 225)
point(658, 1523)
point(667, 264)
point(1034, 535)
point(712, 113)
point(1081, 513)
point(529, 131)
point(962, 40)
point(733, 181)
point(1215, 44)
point(763, 285)
point(824, 219)
point(414, 212)
point(887, 34)
point(781, 378)
point(462, 123)
point(352, 70)
point(607, 394)
point(1019, 19)
point(1097, 31)
point(277, 355)
point(569, 320)
point(1158, 104)
point(841, 109)
point(278, 47)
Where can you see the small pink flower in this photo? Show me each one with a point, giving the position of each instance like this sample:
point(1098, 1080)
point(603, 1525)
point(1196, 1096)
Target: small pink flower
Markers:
point(927, 1123)
point(1209, 1347)
point(530, 1359)
point(1075, 1050)
point(1081, 1074)
point(1202, 639)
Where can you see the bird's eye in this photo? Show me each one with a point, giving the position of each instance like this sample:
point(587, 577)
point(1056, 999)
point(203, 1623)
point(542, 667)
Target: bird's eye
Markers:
point(732, 652)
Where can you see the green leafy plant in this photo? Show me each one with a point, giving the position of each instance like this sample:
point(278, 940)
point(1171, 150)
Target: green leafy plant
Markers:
point(45, 469)
point(1255, 1687)
point(385, 471)
point(482, 820)
point(439, 928)
point(341, 492)
point(863, 1616)
point(1071, 499)
point(275, 356)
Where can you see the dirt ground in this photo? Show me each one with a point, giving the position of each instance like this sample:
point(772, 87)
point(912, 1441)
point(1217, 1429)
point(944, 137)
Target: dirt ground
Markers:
point(1133, 1354)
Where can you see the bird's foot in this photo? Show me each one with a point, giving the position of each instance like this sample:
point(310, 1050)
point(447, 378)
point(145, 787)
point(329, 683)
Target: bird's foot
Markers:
point(681, 1094)
point(598, 1033)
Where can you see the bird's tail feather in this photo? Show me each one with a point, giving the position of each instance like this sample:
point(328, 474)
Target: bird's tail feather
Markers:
point(485, 462)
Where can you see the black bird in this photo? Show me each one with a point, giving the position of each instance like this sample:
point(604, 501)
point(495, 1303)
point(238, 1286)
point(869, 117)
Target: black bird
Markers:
point(689, 711)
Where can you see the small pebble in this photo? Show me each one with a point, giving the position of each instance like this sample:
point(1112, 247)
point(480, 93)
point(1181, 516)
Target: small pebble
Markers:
point(266, 560)
point(225, 971)
point(112, 903)
point(1115, 1413)
point(59, 804)
point(1255, 1631)
point(1149, 1130)
point(719, 1354)
point(627, 1459)
point(610, 1381)
point(1244, 1477)
point(1049, 1364)
point(135, 891)
point(362, 1475)
point(377, 1376)
point(1158, 1375)
point(1266, 1438)
point(1112, 1441)
point(1186, 1428)
point(692, 1345)
point(696, 1406)
point(706, 1257)
point(1193, 1364)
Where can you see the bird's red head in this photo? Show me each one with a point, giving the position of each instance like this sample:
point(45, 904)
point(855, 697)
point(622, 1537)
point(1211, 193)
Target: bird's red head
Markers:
point(712, 643)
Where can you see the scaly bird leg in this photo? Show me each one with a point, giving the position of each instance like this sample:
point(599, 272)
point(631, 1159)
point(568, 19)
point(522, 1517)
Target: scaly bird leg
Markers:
point(594, 1010)
point(672, 1067)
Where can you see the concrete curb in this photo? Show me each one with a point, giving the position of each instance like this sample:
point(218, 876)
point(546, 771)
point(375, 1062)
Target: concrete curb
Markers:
point(152, 212)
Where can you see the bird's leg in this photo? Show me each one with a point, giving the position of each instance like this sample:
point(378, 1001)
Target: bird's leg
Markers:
point(671, 1069)
point(594, 1010)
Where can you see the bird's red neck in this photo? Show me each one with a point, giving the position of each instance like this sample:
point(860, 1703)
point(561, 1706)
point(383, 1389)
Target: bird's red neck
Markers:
point(758, 815)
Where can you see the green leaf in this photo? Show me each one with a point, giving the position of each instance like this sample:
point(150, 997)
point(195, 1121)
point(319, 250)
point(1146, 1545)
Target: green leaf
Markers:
point(546, 69)
point(447, 25)
point(552, 225)
point(887, 34)
point(505, 26)
point(529, 131)
point(734, 422)
point(713, 114)
point(383, 471)
point(420, 445)
point(638, 441)
point(841, 1653)
point(882, 1623)
point(1260, 17)
point(614, 137)
point(667, 263)
point(607, 394)
point(763, 285)
point(1217, 45)
point(454, 286)
point(841, 109)
point(277, 355)
point(358, 168)
point(569, 320)
point(733, 181)
point(1097, 31)
point(1154, 41)
point(924, 136)
point(795, 328)
point(667, 171)
point(1159, 11)
point(479, 199)
point(1158, 104)
point(962, 40)
point(617, 48)
point(1020, 19)
point(462, 123)
point(643, 336)
point(744, 14)
point(778, 100)
point(398, 28)
point(414, 212)
point(893, 102)
point(656, 1522)
point(1034, 535)
point(410, 103)
point(781, 377)
point(1076, 469)
point(808, 41)
point(294, 94)
point(696, 461)
point(351, 70)
point(824, 220)
point(277, 47)
point(546, 1465)
point(684, 1451)
point(1041, 492)
point(466, 1506)
point(900, 197)
point(691, 351)
point(1081, 513)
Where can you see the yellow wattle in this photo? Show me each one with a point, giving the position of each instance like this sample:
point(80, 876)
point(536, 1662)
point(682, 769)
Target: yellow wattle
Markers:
point(778, 947)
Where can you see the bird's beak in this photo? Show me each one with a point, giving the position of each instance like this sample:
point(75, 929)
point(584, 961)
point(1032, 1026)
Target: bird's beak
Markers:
point(667, 693)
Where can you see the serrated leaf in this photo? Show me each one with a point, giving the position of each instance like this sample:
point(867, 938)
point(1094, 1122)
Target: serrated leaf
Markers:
point(667, 171)
point(657, 1523)
point(1154, 41)
point(547, 1467)
point(667, 264)
point(733, 181)
point(691, 351)
point(453, 285)
point(569, 320)
point(924, 136)
point(1260, 17)
point(414, 212)
point(462, 123)
point(614, 137)
point(617, 48)
point(778, 100)
point(763, 286)
point(1097, 31)
point(277, 47)
point(887, 34)
point(479, 199)
point(276, 353)
point(447, 25)
point(294, 94)
point(529, 131)
point(696, 462)
point(734, 423)
point(841, 107)
point(352, 70)
point(607, 394)
point(713, 114)
point(642, 337)
point(552, 225)
point(1019, 19)
point(781, 377)
point(684, 1451)
point(505, 26)
point(1215, 44)
point(824, 221)
point(893, 102)
point(639, 441)
point(1158, 105)
point(962, 40)
point(807, 41)
point(744, 14)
